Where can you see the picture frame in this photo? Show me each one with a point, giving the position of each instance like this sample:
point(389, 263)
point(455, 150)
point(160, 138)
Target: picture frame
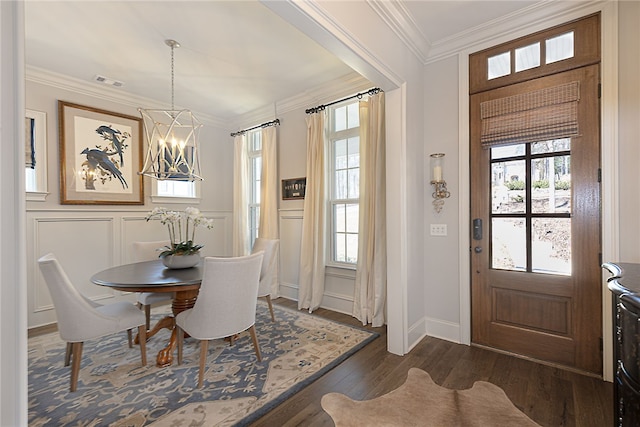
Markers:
point(101, 153)
point(294, 188)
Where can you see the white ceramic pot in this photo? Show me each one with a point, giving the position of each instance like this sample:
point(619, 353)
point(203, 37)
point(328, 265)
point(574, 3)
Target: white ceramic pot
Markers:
point(176, 262)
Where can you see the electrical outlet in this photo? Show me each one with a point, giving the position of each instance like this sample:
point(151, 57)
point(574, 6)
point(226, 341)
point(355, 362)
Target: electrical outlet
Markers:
point(438, 229)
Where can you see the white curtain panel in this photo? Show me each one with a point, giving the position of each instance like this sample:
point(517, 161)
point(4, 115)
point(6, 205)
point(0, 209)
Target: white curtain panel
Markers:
point(268, 227)
point(240, 196)
point(312, 251)
point(369, 304)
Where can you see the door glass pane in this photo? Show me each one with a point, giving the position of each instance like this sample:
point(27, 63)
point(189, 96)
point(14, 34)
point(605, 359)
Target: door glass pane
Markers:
point(551, 245)
point(508, 244)
point(559, 48)
point(499, 65)
point(508, 187)
point(528, 57)
point(507, 151)
point(551, 192)
point(551, 146)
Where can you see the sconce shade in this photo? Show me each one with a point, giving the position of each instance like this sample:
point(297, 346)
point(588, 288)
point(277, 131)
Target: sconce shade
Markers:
point(172, 138)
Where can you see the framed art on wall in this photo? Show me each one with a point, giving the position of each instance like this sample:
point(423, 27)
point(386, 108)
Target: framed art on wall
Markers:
point(100, 156)
point(293, 188)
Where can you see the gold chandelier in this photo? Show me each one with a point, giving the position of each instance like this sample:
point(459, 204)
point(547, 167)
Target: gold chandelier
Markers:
point(172, 139)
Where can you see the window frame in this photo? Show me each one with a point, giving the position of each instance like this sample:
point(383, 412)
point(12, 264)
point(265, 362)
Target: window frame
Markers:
point(254, 154)
point(586, 39)
point(330, 137)
point(39, 193)
point(156, 197)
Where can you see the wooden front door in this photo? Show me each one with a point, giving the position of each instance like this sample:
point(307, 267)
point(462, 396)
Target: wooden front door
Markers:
point(535, 247)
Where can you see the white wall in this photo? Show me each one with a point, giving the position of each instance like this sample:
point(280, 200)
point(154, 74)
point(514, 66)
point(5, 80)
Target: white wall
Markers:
point(13, 345)
point(629, 131)
point(442, 252)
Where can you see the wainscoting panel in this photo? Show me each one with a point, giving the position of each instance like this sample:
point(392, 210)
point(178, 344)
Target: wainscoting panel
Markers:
point(216, 241)
point(339, 283)
point(82, 244)
point(290, 237)
point(86, 242)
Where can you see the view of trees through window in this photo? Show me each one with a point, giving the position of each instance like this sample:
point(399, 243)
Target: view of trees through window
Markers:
point(531, 201)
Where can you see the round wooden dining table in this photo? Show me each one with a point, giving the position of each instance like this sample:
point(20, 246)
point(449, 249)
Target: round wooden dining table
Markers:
point(153, 276)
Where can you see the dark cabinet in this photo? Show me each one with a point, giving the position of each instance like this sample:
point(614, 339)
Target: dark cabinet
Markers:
point(625, 286)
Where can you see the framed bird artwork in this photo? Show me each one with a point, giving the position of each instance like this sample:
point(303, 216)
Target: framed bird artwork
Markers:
point(100, 156)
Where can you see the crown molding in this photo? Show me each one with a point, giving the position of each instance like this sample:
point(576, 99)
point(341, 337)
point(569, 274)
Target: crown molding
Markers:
point(398, 18)
point(538, 16)
point(348, 84)
point(345, 86)
point(72, 84)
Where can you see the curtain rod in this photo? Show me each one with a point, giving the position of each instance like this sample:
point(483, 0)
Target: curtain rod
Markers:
point(275, 122)
point(370, 92)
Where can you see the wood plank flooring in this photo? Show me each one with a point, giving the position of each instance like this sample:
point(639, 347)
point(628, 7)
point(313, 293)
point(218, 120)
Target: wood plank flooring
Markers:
point(549, 395)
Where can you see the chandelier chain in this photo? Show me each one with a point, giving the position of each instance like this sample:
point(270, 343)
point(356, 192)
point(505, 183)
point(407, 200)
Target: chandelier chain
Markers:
point(172, 74)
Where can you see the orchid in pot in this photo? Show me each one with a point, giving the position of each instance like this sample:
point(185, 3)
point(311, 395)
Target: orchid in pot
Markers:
point(182, 229)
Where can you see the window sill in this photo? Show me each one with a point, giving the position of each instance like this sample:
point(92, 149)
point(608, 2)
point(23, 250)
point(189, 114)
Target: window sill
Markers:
point(173, 199)
point(36, 196)
point(345, 272)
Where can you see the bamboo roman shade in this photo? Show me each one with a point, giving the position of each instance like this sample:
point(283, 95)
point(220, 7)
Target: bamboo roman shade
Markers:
point(541, 115)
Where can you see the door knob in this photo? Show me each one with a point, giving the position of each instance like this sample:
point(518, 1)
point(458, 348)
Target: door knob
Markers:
point(477, 249)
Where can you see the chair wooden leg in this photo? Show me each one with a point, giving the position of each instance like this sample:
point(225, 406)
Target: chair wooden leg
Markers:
point(67, 355)
point(147, 315)
point(268, 298)
point(254, 338)
point(75, 367)
point(231, 339)
point(180, 339)
point(142, 334)
point(204, 344)
point(130, 338)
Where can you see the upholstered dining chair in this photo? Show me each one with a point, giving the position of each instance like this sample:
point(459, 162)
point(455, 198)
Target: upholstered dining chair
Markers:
point(226, 304)
point(80, 319)
point(148, 251)
point(270, 249)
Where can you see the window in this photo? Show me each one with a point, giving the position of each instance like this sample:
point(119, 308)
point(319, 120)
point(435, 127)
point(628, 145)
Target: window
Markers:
point(170, 188)
point(254, 141)
point(177, 191)
point(527, 57)
point(344, 171)
point(36, 155)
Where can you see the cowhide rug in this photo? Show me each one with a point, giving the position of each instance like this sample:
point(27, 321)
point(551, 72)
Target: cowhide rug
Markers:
point(422, 402)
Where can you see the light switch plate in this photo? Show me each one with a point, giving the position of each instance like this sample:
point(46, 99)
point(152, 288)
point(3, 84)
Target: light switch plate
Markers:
point(438, 229)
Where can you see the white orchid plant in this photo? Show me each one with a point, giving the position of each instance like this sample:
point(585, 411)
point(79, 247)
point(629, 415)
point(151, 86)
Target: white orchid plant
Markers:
point(177, 223)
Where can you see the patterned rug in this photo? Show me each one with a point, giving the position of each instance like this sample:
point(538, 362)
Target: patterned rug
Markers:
point(115, 390)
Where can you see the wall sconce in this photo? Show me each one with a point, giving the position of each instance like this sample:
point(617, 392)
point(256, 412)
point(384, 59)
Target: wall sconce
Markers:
point(438, 182)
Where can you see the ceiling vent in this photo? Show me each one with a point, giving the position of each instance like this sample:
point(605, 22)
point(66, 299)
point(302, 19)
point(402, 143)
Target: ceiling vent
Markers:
point(107, 81)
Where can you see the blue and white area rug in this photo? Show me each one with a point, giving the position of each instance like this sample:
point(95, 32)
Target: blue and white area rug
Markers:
point(115, 390)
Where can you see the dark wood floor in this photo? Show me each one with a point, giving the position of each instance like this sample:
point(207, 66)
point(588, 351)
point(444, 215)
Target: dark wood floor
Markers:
point(550, 396)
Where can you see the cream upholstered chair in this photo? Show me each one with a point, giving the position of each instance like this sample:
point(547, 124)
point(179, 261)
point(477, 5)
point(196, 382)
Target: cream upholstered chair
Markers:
point(80, 319)
point(270, 249)
point(148, 251)
point(226, 304)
